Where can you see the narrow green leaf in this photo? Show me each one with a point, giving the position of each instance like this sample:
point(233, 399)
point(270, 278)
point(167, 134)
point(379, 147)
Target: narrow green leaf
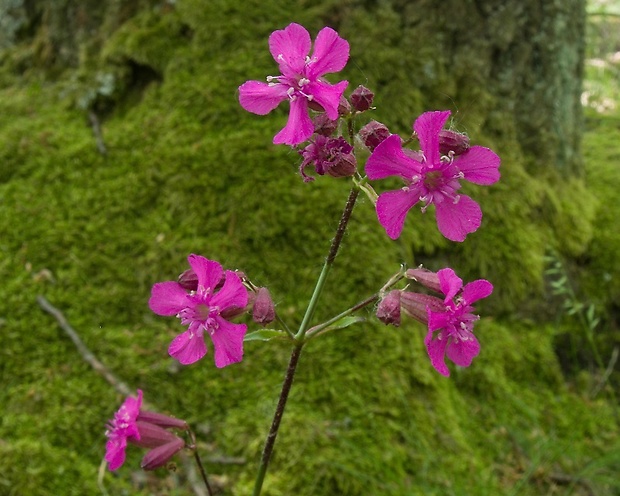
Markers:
point(264, 335)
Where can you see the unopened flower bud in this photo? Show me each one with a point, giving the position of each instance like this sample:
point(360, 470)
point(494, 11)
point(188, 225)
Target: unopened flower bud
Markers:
point(188, 280)
point(344, 107)
point(451, 141)
point(323, 125)
point(159, 456)
point(161, 420)
point(388, 310)
point(344, 166)
point(264, 310)
point(415, 305)
point(361, 98)
point(425, 277)
point(151, 435)
point(373, 133)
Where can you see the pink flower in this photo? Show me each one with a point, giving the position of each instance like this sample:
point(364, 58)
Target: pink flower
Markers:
point(145, 429)
point(121, 428)
point(450, 330)
point(301, 80)
point(204, 310)
point(432, 179)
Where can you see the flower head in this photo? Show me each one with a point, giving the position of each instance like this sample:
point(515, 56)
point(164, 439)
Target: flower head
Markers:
point(145, 429)
point(431, 178)
point(120, 429)
point(450, 330)
point(204, 310)
point(301, 80)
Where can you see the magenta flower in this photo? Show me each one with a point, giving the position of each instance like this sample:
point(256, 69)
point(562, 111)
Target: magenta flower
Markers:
point(301, 80)
point(145, 429)
point(432, 179)
point(120, 429)
point(450, 330)
point(204, 310)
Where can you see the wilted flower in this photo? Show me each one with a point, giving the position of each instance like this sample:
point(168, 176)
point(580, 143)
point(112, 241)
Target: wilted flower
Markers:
point(332, 156)
point(301, 80)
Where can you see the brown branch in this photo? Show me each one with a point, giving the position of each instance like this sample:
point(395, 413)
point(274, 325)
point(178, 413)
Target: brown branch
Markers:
point(87, 355)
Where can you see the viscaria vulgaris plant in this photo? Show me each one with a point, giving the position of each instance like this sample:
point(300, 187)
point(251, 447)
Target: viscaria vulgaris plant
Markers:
point(328, 131)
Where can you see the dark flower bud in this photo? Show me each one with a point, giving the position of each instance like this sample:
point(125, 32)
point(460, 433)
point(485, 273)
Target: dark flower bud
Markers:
point(451, 141)
point(373, 133)
point(344, 107)
point(161, 420)
point(323, 125)
point(264, 310)
point(344, 165)
point(158, 457)
point(361, 98)
point(388, 310)
point(425, 277)
point(188, 280)
point(415, 305)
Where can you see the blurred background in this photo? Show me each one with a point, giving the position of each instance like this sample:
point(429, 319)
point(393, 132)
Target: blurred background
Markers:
point(123, 149)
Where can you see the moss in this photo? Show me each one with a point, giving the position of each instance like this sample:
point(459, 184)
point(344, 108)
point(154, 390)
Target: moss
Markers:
point(189, 171)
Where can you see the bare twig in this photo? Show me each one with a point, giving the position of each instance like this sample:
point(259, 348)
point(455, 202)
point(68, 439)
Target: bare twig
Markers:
point(94, 123)
point(87, 355)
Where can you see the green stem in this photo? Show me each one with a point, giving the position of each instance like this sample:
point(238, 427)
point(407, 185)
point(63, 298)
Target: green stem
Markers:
point(299, 338)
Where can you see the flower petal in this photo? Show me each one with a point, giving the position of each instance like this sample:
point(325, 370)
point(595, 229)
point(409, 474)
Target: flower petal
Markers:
point(327, 95)
point(208, 271)
point(290, 47)
point(115, 452)
point(388, 159)
point(463, 352)
point(479, 165)
point(436, 349)
point(261, 98)
point(427, 127)
point(437, 320)
point(167, 298)
point(476, 290)
point(232, 294)
point(331, 53)
point(299, 126)
point(456, 220)
point(392, 208)
point(228, 342)
point(449, 283)
point(188, 347)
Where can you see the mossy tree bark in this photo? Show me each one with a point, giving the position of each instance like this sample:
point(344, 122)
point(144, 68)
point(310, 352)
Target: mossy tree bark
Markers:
point(518, 62)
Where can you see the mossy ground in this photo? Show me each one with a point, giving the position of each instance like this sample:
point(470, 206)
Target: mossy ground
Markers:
point(189, 171)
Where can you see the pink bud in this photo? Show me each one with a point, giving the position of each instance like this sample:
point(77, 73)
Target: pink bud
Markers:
point(415, 305)
point(158, 457)
point(425, 277)
point(373, 133)
point(451, 141)
point(361, 98)
point(388, 310)
point(264, 310)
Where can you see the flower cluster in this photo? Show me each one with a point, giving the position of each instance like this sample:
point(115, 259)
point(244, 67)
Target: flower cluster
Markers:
point(142, 428)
